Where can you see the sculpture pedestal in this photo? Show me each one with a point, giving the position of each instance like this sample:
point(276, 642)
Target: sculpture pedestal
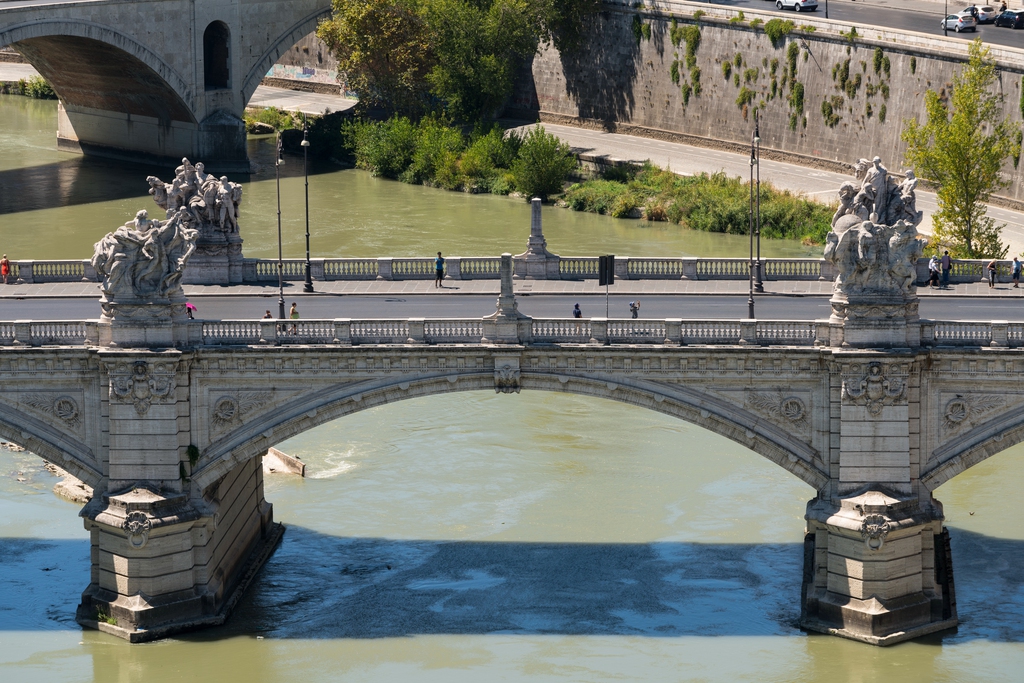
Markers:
point(537, 263)
point(142, 323)
point(876, 569)
point(877, 322)
point(217, 260)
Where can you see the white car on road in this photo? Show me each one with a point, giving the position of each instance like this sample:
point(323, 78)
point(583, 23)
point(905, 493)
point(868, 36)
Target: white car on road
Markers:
point(984, 14)
point(958, 23)
point(798, 5)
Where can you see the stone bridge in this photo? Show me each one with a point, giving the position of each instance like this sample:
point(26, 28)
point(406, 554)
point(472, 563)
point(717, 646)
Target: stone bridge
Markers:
point(159, 79)
point(168, 423)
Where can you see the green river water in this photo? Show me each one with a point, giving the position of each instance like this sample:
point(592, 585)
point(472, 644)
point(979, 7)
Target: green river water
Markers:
point(476, 537)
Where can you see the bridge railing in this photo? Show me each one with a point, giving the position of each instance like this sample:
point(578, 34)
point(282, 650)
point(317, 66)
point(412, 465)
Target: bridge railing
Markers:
point(589, 331)
point(264, 271)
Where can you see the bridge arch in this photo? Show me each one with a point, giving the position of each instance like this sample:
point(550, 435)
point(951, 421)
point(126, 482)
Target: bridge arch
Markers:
point(321, 406)
point(95, 66)
point(297, 32)
point(50, 444)
point(975, 446)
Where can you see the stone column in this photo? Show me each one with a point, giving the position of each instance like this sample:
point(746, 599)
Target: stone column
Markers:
point(507, 325)
point(537, 262)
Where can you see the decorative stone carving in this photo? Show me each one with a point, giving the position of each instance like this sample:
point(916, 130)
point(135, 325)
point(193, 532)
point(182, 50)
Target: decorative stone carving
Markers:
point(143, 261)
point(212, 207)
point(874, 259)
point(874, 389)
point(874, 529)
point(62, 407)
point(229, 410)
point(780, 407)
point(137, 525)
point(965, 409)
point(142, 384)
point(506, 378)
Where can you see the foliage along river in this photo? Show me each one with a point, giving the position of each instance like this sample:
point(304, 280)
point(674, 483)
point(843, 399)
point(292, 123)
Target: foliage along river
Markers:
point(477, 537)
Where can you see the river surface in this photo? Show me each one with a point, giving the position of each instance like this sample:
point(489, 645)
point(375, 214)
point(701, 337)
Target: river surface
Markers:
point(57, 205)
point(476, 537)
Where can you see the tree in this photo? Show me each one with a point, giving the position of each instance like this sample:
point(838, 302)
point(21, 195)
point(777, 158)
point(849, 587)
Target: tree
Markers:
point(961, 148)
point(458, 57)
point(384, 47)
point(544, 164)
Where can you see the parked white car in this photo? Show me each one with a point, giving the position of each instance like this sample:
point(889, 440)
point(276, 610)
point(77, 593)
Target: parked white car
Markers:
point(798, 5)
point(984, 14)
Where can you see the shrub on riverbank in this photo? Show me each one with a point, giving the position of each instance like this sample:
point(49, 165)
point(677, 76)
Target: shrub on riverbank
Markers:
point(713, 203)
point(432, 152)
point(269, 119)
point(35, 87)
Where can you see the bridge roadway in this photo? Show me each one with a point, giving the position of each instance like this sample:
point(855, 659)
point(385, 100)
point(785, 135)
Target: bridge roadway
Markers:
point(656, 306)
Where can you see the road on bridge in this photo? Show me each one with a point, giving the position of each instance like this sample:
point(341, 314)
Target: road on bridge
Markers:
point(547, 306)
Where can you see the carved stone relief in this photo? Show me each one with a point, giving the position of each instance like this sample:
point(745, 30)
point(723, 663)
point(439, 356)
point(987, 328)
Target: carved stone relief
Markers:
point(874, 386)
point(231, 409)
point(137, 525)
point(873, 530)
point(965, 410)
point(142, 384)
point(60, 406)
point(506, 376)
point(781, 407)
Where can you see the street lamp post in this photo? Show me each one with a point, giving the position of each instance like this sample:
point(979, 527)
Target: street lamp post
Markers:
point(308, 287)
point(945, 13)
point(758, 284)
point(750, 232)
point(280, 253)
point(826, 9)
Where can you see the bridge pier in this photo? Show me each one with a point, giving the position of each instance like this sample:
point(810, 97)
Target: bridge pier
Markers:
point(163, 562)
point(876, 569)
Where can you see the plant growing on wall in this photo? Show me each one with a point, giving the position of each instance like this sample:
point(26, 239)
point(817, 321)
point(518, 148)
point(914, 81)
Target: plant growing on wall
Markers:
point(695, 77)
point(691, 34)
point(727, 70)
point(777, 30)
point(686, 90)
point(792, 52)
point(674, 72)
point(745, 97)
point(876, 60)
point(913, 65)
point(757, 21)
point(738, 19)
point(830, 109)
point(961, 147)
point(881, 114)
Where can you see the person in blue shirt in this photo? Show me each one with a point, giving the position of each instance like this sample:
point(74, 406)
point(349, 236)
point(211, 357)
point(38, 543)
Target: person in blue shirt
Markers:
point(438, 270)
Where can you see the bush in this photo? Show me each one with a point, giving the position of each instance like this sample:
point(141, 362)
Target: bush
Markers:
point(37, 87)
point(777, 30)
point(437, 147)
point(385, 149)
point(544, 164)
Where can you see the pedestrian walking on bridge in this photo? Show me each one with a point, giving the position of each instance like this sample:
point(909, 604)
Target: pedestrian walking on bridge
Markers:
point(5, 268)
point(947, 265)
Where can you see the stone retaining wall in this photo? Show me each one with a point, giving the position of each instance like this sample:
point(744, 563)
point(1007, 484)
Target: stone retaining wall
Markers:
point(622, 83)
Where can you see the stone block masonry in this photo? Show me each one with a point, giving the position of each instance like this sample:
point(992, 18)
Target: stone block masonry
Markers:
point(816, 89)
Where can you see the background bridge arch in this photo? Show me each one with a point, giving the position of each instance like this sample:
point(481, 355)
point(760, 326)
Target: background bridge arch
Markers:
point(281, 422)
point(96, 66)
point(293, 35)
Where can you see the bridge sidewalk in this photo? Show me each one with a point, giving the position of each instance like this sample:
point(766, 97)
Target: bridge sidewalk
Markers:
point(639, 288)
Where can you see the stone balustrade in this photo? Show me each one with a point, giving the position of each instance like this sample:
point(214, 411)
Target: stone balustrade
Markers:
point(487, 268)
point(440, 331)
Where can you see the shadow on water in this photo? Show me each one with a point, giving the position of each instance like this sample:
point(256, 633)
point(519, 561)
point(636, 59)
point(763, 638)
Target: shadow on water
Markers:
point(324, 587)
point(87, 180)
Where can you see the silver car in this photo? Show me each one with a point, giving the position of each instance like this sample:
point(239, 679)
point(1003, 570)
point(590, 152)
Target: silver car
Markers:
point(798, 5)
point(958, 23)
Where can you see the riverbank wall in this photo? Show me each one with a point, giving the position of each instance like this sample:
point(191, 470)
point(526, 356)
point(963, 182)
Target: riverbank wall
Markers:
point(695, 73)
